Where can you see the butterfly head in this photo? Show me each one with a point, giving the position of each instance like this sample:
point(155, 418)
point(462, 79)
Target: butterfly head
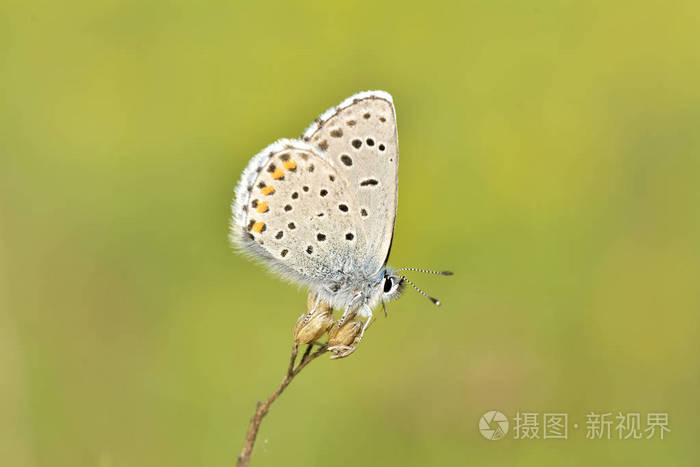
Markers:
point(394, 283)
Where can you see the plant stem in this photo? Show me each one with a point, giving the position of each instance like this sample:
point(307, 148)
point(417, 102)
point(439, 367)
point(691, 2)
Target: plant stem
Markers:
point(261, 408)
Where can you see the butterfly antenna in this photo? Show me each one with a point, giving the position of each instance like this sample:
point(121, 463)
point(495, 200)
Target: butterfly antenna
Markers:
point(384, 306)
point(426, 271)
point(432, 299)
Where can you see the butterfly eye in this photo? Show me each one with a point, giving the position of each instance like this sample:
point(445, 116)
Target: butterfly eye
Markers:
point(388, 284)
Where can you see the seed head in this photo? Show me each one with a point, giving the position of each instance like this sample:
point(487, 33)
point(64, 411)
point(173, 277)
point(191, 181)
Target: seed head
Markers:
point(344, 335)
point(343, 340)
point(312, 325)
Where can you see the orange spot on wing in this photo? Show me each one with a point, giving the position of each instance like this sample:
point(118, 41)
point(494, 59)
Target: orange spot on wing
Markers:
point(277, 174)
point(268, 190)
point(258, 227)
point(262, 206)
point(289, 164)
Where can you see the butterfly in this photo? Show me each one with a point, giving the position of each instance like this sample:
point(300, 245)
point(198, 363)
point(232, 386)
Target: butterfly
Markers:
point(320, 210)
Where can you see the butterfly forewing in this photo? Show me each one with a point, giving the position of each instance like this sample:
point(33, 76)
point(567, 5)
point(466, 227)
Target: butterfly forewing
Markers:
point(359, 138)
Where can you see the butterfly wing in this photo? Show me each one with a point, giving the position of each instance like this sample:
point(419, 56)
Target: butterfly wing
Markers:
point(294, 211)
point(359, 139)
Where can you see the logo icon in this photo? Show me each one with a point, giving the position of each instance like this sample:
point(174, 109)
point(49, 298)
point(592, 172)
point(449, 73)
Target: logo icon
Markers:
point(493, 425)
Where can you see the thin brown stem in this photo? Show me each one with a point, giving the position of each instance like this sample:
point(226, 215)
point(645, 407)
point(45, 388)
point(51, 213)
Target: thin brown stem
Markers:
point(261, 408)
point(307, 352)
point(293, 357)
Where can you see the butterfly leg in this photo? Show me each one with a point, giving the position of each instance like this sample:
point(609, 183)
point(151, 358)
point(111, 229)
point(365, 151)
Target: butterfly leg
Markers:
point(311, 312)
point(347, 313)
point(345, 316)
point(368, 312)
point(341, 351)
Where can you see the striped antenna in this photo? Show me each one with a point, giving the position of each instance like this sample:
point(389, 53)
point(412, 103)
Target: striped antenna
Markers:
point(434, 300)
point(426, 271)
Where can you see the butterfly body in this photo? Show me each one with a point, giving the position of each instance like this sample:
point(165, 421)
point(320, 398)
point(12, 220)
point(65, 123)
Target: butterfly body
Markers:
point(320, 210)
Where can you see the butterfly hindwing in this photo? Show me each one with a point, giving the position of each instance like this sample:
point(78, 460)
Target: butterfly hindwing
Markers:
point(294, 210)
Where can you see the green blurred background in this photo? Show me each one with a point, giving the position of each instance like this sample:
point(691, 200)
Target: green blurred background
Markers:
point(550, 155)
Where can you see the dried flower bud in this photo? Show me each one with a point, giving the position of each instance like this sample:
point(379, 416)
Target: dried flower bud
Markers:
point(344, 335)
point(311, 301)
point(321, 307)
point(310, 327)
point(314, 328)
